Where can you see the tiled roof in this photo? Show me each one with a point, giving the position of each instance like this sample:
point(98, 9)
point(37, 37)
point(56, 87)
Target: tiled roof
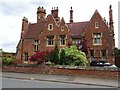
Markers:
point(77, 28)
point(34, 30)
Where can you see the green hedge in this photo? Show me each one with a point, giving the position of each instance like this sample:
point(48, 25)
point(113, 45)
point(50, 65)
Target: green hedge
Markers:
point(8, 60)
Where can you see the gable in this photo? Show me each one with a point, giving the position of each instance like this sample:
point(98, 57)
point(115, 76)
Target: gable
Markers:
point(50, 19)
point(96, 18)
point(62, 23)
point(101, 28)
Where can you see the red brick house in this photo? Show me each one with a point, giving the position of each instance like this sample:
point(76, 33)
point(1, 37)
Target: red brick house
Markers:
point(48, 31)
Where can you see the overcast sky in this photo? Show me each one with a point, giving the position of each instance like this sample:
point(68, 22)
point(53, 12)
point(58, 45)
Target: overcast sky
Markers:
point(12, 12)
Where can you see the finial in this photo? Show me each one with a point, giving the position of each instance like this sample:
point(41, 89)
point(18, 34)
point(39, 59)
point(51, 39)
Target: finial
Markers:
point(107, 23)
point(25, 19)
point(104, 19)
point(71, 7)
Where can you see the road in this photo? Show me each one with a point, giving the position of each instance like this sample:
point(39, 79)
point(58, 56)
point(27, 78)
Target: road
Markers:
point(22, 83)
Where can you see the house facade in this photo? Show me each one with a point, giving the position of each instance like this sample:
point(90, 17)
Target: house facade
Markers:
point(51, 30)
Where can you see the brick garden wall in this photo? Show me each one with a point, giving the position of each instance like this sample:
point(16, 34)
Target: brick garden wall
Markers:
point(90, 72)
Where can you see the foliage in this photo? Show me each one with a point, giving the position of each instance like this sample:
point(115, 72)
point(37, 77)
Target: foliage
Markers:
point(116, 51)
point(62, 57)
point(54, 58)
point(40, 57)
point(84, 46)
point(8, 60)
point(73, 57)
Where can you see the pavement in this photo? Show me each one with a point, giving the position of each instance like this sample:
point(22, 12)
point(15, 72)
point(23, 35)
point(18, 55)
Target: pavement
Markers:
point(63, 79)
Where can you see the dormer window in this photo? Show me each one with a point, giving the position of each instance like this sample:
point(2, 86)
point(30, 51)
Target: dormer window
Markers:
point(96, 24)
point(50, 27)
point(62, 28)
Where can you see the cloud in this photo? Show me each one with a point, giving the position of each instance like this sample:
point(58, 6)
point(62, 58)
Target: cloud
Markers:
point(13, 8)
point(9, 46)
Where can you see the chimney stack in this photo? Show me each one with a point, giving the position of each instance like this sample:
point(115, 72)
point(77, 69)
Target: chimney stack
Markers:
point(71, 15)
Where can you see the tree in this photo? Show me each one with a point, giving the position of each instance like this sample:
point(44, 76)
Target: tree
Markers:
point(62, 57)
point(84, 46)
point(52, 56)
point(56, 52)
point(116, 51)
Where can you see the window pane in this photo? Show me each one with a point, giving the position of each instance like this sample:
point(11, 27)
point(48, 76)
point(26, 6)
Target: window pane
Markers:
point(26, 56)
point(62, 28)
point(50, 27)
point(97, 38)
point(36, 43)
point(50, 40)
point(96, 24)
point(62, 39)
point(103, 52)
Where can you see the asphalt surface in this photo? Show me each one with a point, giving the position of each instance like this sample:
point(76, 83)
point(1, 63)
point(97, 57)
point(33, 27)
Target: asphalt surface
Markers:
point(20, 83)
point(62, 79)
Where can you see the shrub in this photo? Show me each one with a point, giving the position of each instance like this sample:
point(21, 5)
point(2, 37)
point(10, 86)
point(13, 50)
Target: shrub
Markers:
point(116, 51)
point(56, 52)
point(84, 46)
point(74, 57)
point(8, 60)
point(40, 57)
point(54, 58)
point(62, 57)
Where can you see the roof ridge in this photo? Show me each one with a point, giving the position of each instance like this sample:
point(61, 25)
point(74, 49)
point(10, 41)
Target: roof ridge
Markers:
point(78, 22)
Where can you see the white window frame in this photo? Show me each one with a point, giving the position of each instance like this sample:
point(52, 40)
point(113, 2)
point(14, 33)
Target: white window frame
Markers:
point(36, 45)
point(96, 24)
point(50, 41)
point(61, 41)
point(96, 35)
point(50, 27)
point(62, 28)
